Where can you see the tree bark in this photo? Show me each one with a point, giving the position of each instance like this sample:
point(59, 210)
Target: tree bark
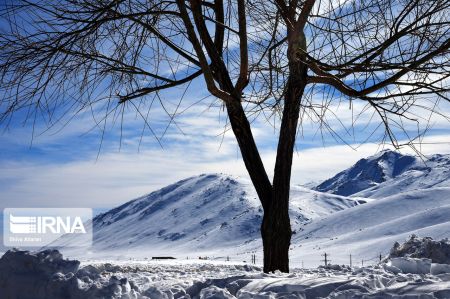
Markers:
point(276, 236)
point(276, 228)
point(250, 154)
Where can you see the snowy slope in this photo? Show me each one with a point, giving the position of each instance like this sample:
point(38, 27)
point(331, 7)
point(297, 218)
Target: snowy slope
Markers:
point(367, 230)
point(199, 214)
point(434, 172)
point(388, 173)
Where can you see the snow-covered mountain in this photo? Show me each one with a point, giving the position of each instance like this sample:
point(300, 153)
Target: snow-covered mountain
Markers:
point(201, 213)
point(405, 195)
point(392, 197)
point(389, 173)
point(370, 229)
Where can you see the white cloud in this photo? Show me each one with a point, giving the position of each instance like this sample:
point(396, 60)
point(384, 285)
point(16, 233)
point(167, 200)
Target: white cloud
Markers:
point(121, 176)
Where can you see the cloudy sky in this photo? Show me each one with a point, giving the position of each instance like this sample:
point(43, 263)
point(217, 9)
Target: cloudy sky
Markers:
point(89, 162)
point(81, 164)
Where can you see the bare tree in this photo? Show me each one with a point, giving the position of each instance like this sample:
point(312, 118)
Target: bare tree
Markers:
point(254, 55)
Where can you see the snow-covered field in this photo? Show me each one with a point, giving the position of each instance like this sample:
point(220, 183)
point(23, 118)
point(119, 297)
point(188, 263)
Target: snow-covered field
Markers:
point(46, 275)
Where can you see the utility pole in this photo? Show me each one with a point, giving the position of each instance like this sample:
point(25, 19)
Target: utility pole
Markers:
point(350, 260)
point(380, 257)
point(326, 260)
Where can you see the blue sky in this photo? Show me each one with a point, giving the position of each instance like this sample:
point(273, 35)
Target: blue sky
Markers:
point(87, 163)
point(70, 166)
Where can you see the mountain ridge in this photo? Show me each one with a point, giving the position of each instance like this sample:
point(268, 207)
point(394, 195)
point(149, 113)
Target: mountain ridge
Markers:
point(368, 176)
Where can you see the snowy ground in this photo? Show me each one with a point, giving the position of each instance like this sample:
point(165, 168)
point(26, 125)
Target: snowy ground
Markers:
point(418, 268)
point(209, 280)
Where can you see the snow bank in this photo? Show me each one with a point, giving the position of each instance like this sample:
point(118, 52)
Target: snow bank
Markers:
point(47, 275)
point(411, 265)
point(419, 256)
point(325, 282)
point(415, 247)
point(415, 266)
point(437, 269)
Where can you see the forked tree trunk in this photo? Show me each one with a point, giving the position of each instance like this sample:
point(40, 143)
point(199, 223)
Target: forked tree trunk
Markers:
point(276, 228)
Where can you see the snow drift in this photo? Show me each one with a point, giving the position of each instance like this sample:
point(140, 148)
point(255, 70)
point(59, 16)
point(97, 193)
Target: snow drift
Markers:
point(46, 275)
point(421, 256)
point(415, 247)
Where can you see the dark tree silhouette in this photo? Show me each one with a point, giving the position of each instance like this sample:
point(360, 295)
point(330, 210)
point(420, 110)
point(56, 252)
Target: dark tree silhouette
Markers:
point(254, 55)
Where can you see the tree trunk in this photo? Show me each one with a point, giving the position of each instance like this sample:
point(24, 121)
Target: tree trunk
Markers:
point(250, 154)
point(276, 228)
point(276, 235)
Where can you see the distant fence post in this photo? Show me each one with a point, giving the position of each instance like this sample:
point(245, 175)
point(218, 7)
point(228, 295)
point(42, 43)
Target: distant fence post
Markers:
point(350, 260)
point(326, 260)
